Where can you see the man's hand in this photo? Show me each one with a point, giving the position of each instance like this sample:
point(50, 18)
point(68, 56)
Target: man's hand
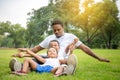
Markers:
point(22, 49)
point(26, 50)
point(20, 55)
point(103, 60)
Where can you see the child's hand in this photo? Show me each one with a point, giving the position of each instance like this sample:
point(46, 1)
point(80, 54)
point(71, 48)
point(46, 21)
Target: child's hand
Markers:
point(71, 47)
point(75, 41)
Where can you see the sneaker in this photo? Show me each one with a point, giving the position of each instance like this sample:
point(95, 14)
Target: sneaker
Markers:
point(15, 65)
point(68, 70)
point(71, 65)
point(11, 64)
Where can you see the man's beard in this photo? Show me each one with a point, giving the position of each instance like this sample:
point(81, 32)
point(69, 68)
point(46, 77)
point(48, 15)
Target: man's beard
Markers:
point(58, 36)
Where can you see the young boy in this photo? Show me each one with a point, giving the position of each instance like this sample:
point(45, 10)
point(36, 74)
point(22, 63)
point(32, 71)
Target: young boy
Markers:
point(50, 64)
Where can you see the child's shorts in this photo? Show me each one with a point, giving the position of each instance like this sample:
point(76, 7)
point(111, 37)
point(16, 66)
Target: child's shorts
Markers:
point(42, 69)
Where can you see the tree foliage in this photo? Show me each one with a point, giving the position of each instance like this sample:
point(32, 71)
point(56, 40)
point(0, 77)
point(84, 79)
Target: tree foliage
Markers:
point(13, 35)
point(111, 25)
point(93, 22)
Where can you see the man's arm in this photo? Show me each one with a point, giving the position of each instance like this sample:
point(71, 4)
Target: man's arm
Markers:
point(91, 53)
point(34, 50)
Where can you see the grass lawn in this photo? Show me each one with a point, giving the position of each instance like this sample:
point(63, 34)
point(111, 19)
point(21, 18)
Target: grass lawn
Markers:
point(88, 68)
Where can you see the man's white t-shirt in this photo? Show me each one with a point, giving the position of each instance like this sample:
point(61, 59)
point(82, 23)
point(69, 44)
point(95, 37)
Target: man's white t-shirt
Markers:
point(64, 41)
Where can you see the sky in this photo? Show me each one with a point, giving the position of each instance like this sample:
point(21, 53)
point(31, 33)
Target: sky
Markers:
point(16, 11)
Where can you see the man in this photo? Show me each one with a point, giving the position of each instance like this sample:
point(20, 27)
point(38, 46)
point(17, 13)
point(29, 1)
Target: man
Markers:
point(64, 40)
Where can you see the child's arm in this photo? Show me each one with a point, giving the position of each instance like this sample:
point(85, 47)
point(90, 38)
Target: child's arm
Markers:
point(69, 49)
point(33, 54)
point(63, 61)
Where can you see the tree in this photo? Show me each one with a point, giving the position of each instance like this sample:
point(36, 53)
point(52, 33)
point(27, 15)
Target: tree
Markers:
point(93, 20)
point(38, 25)
point(15, 35)
point(96, 17)
point(111, 27)
point(67, 11)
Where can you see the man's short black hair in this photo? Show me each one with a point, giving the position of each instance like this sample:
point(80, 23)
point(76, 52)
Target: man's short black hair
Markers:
point(57, 22)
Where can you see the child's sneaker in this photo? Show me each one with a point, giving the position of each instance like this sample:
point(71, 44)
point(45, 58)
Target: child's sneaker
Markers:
point(11, 63)
point(15, 65)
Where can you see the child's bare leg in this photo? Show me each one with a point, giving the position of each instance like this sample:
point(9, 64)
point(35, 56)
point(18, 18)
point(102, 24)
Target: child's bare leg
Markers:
point(54, 70)
point(59, 71)
point(29, 62)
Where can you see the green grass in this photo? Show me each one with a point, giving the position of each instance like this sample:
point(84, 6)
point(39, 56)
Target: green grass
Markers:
point(88, 68)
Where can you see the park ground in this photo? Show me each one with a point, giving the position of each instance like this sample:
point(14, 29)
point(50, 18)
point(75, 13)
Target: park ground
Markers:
point(88, 68)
